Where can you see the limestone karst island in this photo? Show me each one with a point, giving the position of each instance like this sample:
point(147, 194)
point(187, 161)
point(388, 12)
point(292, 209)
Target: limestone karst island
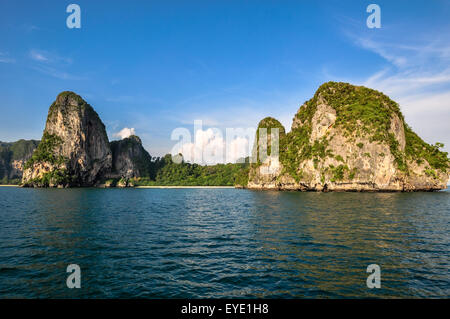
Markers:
point(345, 138)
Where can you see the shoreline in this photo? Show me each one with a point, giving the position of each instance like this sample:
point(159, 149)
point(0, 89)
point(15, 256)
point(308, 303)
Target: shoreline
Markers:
point(257, 189)
point(183, 187)
point(162, 186)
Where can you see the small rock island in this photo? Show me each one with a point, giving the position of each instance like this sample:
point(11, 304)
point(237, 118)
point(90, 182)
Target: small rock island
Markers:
point(349, 138)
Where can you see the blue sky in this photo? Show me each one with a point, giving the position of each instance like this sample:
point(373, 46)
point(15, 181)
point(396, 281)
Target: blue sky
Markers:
point(157, 65)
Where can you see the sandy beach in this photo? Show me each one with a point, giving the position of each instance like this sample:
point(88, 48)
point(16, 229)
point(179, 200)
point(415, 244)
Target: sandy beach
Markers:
point(184, 187)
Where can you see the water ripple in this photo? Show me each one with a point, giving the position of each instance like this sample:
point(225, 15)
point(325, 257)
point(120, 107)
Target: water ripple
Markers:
point(201, 243)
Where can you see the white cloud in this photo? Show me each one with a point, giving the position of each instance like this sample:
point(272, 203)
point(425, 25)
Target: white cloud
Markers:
point(207, 148)
point(238, 148)
point(421, 103)
point(210, 147)
point(125, 132)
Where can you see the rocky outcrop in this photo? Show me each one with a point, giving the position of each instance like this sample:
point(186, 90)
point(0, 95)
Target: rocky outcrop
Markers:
point(13, 157)
point(74, 150)
point(351, 138)
point(267, 167)
point(130, 159)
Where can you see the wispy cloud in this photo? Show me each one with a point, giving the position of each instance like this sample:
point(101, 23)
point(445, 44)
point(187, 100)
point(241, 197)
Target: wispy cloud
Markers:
point(425, 72)
point(38, 56)
point(62, 75)
point(382, 51)
point(52, 64)
point(31, 28)
point(410, 81)
point(45, 56)
point(417, 75)
point(4, 58)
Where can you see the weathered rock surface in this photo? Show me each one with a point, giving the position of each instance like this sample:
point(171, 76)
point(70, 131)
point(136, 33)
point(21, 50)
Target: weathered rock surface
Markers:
point(350, 138)
point(130, 159)
point(13, 157)
point(74, 150)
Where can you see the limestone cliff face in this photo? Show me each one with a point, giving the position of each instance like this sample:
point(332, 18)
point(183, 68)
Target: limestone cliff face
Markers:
point(13, 157)
point(265, 172)
point(74, 150)
point(350, 138)
point(130, 159)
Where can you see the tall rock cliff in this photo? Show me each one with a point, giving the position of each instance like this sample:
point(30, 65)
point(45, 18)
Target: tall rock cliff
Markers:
point(74, 150)
point(130, 159)
point(267, 168)
point(350, 138)
point(13, 157)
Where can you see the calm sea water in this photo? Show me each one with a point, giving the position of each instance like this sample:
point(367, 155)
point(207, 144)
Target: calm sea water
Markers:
point(192, 243)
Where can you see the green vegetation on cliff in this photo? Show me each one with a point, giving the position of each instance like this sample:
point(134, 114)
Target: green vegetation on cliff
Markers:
point(22, 149)
point(45, 152)
point(265, 127)
point(12, 153)
point(360, 111)
point(73, 95)
point(55, 177)
point(418, 150)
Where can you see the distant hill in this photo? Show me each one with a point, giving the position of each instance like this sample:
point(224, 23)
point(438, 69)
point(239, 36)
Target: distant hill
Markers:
point(13, 157)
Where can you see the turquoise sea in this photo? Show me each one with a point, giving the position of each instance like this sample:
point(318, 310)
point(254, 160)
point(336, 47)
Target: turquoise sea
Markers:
point(204, 243)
